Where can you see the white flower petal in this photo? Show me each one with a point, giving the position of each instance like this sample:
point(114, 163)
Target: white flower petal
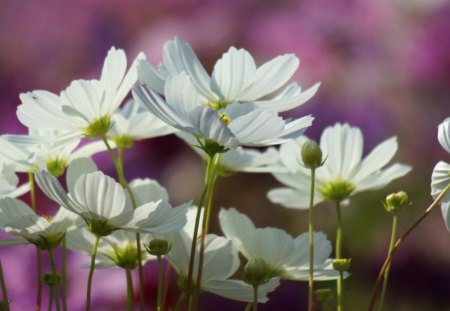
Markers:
point(290, 198)
point(148, 190)
point(77, 168)
point(382, 178)
point(113, 71)
point(12, 209)
point(147, 74)
point(13, 241)
point(440, 179)
point(444, 134)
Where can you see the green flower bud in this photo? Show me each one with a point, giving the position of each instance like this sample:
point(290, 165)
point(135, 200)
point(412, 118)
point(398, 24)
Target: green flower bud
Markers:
point(396, 201)
point(324, 294)
point(311, 154)
point(158, 247)
point(123, 141)
point(51, 279)
point(100, 227)
point(257, 272)
point(56, 166)
point(341, 264)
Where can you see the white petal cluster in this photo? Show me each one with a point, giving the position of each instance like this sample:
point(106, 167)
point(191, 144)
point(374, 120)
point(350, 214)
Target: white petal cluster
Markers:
point(344, 168)
point(235, 77)
point(441, 172)
point(287, 257)
point(102, 202)
point(235, 124)
point(221, 261)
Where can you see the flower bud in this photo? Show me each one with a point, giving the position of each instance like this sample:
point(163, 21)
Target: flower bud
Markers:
point(256, 272)
point(396, 201)
point(51, 279)
point(341, 264)
point(158, 247)
point(311, 154)
point(324, 294)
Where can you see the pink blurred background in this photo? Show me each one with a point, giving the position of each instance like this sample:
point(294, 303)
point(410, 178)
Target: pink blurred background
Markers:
point(384, 67)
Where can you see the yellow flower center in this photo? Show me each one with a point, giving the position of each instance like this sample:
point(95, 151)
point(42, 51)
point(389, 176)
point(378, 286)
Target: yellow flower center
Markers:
point(336, 190)
point(98, 127)
point(225, 119)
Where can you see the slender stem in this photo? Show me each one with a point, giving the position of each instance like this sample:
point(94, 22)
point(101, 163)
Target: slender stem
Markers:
point(205, 226)
point(249, 306)
point(209, 167)
point(339, 289)
point(311, 242)
point(3, 285)
point(160, 284)
point(180, 300)
point(91, 272)
point(399, 242)
point(130, 295)
point(118, 164)
point(386, 273)
point(255, 297)
point(64, 274)
point(38, 252)
point(55, 286)
point(166, 286)
point(50, 298)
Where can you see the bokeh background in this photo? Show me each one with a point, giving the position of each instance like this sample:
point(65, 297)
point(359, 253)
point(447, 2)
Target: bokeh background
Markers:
point(384, 67)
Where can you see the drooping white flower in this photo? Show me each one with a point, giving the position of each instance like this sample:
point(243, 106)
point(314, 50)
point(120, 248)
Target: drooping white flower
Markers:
point(102, 202)
point(235, 78)
point(235, 124)
point(18, 219)
point(134, 122)
point(239, 159)
point(220, 262)
point(344, 172)
point(287, 257)
point(115, 250)
point(86, 106)
point(440, 178)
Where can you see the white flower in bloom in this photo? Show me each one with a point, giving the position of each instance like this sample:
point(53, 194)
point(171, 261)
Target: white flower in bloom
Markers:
point(134, 122)
point(288, 258)
point(220, 262)
point(102, 202)
point(236, 124)
point(18, 219)
point(85, 107)
point(9, 181)
point(344, 172)
point(235, 78)
point(441, 172)
point(115, 250)
point(240, 159)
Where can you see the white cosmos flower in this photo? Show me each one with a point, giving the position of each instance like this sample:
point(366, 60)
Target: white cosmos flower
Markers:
point(102, 202)
point(235, 78)
point(85, 107)
point(240, 159)
point(221, 261)
point(9, 181)
point(18, 219)
point(115, 250)
point(344, 172)
point(287, 257)
point(236, 124)
point(134, 122)
point(441, 172)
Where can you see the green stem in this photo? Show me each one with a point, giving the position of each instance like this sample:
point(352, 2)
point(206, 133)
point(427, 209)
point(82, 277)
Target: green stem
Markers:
point(160, 284)
point(64, 273)
point(249, 306)
point(205, 227)
point(55, 286)
point(50, 298)
point(3, 285)
point(38, 251)
point(209, 168)
point(180, 301)
point(166, 286)
point(91, 272)
point(130, 295)
point(255, 297)
point(118, 164)
point(386, 273)
point(311, 241)
point(399, 242)
point(339, 289)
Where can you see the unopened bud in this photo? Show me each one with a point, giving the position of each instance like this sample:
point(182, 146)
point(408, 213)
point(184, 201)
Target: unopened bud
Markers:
point(311, 154)
point(341, 264)
point(324, 294)
point(51, 279)
point(256, 272)
point(158, 247)
point(396, 201)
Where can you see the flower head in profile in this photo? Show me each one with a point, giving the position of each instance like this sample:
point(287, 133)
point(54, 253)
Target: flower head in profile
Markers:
point(86, 106)
point(344, 173)
point(286, 257)
point(235, 78)
point(221, 261)
point(19, 220)
point(103, 204)
point(228, 126)
point(440, 178)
